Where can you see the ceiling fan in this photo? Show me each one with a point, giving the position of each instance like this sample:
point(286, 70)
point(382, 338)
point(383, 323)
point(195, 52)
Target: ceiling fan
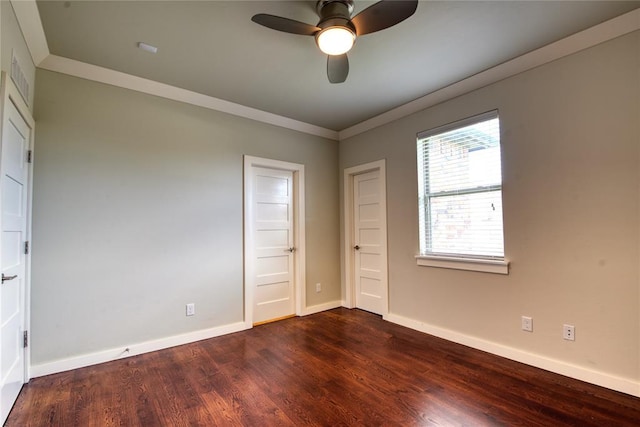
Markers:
point(336, 31)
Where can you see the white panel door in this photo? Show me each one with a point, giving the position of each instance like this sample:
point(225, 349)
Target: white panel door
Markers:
point(273, 225)
point(14, 175)
point(369, 259)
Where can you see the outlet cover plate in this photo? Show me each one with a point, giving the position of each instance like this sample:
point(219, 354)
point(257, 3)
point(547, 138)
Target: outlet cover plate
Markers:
point(191, 309)
point(569, 332)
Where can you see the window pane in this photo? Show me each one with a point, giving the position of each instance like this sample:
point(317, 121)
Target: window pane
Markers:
point(464, 158)
point(469, 224)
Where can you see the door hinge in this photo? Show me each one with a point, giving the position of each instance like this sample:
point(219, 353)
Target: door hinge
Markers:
point(26, 247)
point(29, 156)
point(25, 339)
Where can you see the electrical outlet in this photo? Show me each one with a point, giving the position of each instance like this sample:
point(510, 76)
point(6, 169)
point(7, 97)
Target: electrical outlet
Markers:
point(569, 332)
point(527, 324)
point(318, 287)
point(191, 309)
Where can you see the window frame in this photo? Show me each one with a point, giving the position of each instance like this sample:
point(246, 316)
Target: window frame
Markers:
point(482, 263)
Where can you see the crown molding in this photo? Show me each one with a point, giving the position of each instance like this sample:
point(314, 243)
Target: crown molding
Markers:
point(31, 26)
point(151, 87)
point(590, 37)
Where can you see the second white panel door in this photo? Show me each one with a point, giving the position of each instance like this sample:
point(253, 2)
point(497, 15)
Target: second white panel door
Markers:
point(370, 273)
point(273, 225)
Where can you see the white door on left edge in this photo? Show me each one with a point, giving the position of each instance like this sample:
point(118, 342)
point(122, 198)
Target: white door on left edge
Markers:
point(14, 175)
point(273, 220)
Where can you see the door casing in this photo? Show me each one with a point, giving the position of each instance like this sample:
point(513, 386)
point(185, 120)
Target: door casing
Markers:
point(348, 260)
point(251, 162)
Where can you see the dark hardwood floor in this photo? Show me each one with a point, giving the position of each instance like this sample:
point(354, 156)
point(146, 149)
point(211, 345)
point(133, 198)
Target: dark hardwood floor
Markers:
point(340, 367)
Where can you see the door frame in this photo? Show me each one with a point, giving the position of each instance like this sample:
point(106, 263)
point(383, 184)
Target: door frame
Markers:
point(349, 264)
point(9, 93)
point(251, 162)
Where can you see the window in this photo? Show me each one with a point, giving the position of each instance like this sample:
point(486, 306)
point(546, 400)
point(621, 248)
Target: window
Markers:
point(460, 192)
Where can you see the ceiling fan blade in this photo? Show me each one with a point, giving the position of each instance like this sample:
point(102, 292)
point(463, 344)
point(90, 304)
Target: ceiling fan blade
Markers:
point(337, 68)
point(285, 24)
point(384, 14)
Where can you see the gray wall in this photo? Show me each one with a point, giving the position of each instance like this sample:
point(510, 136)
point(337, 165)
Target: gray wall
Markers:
point(138, 211)
point(571, 190)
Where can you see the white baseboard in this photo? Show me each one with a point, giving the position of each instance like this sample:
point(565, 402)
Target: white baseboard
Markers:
point(132, 350)
point(603, 379)
point(321, 307)
point(620, 384)
point(149, 346)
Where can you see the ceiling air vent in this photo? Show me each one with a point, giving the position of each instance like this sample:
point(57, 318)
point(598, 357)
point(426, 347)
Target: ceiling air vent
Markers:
point(18, 78)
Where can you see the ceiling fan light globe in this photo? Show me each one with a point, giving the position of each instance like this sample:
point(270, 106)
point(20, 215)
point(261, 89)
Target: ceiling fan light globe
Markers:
point(335, 40)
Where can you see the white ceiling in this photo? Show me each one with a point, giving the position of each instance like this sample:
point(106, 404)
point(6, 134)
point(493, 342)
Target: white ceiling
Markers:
point(213, 48)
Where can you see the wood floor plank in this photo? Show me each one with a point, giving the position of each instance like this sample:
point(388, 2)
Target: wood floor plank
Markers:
point(336, 368)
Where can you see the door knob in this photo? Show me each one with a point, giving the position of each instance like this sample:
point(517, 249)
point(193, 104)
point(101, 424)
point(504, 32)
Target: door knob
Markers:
point(356, 247)
point(291, 249)
point(7, 278)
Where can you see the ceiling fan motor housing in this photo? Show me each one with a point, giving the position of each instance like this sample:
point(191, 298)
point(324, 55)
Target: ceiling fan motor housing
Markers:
point(334, 8)
point(335, 13)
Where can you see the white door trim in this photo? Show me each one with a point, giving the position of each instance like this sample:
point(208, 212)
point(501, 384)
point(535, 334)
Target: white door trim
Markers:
point(9, 93)
point(349, 174)
point(299, 227)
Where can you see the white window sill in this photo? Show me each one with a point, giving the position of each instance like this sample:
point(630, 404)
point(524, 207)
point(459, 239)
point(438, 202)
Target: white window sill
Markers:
point(460, 263)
